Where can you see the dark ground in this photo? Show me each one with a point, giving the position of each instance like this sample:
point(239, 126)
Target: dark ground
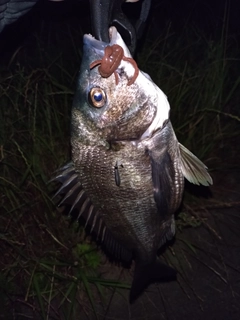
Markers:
point(209, 285)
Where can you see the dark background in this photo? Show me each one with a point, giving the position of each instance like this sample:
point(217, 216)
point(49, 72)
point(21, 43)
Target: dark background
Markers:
point(204, 294)
point(206, 15)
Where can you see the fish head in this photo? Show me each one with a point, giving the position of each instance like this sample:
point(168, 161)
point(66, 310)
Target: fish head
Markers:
point(113, 106)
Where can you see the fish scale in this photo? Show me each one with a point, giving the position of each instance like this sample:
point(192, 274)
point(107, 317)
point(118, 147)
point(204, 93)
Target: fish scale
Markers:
point(132, 200)
point(126, 178)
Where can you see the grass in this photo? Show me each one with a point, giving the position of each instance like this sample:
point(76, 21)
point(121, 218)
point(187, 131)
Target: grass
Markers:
point(200, 78)
point(48, 266)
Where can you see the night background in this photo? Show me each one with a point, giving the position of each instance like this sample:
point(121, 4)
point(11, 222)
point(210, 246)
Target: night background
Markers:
point(50, 268)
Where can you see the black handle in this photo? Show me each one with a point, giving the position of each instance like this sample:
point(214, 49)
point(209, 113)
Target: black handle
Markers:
point(105, 13)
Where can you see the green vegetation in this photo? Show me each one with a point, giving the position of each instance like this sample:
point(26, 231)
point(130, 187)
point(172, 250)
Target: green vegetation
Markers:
point(48, 266)
point(201, 79)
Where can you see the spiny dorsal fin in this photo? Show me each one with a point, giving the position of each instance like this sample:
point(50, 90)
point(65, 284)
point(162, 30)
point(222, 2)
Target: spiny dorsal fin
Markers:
point(193, 169)
point(72, 194)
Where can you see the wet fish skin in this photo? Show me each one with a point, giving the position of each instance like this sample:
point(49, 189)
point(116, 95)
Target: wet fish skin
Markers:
point(134, 201)
point(135, 216)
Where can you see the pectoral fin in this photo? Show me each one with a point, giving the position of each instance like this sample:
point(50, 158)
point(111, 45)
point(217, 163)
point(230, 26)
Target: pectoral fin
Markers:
point(193, 169)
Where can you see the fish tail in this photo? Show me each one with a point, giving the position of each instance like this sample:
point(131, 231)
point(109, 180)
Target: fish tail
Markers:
point(145, 274)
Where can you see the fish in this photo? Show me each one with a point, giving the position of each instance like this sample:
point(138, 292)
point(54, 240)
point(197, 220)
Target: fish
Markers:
point(125, 180)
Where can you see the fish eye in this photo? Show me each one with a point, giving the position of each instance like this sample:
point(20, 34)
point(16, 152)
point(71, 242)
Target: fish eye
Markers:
point(97, 97)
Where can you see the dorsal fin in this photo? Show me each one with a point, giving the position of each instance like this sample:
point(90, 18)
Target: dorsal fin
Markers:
point(81, 208)
point(193, 169)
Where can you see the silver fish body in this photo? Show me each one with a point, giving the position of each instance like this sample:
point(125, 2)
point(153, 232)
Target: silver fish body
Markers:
point(127, 172)
point(139, 215)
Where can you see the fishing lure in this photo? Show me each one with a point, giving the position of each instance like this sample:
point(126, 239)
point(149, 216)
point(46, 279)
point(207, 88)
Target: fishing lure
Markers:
point(113, 55)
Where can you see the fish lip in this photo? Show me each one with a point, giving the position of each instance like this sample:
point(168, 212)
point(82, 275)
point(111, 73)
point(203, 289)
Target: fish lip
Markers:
point(99, 45)
point(113, 35)
point(90, 41)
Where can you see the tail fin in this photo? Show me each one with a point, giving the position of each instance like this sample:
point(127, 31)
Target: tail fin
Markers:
point(149, 273)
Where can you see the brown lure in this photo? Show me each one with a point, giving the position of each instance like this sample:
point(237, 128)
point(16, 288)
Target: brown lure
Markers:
point(113, 55)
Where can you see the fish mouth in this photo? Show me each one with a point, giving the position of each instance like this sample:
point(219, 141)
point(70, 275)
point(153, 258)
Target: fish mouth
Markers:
point(99, 45)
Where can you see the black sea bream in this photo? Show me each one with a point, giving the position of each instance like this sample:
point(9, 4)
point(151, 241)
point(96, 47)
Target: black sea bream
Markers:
point(126, 177)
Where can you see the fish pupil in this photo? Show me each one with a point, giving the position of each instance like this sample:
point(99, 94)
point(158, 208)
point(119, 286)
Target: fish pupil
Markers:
point(98, 96)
